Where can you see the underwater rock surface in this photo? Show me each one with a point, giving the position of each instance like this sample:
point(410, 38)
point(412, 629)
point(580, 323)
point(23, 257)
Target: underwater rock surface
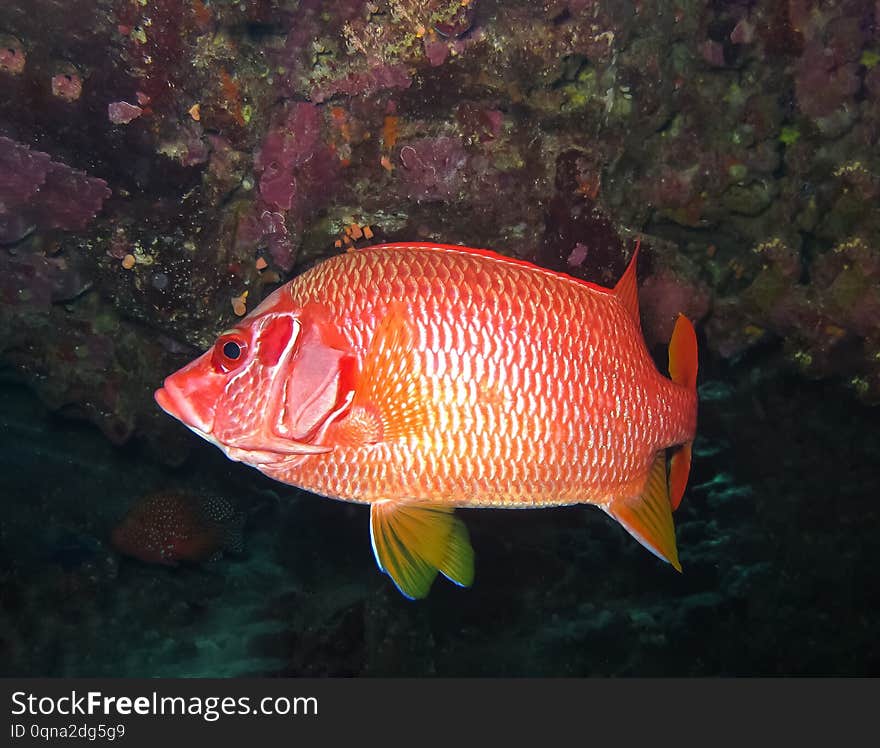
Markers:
point(164, 164)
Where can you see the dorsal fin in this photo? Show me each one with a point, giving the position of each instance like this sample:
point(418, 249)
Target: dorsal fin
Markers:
point(627, 289)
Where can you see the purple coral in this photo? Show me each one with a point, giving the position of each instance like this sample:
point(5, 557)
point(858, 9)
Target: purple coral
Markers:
point(37, 191)
point(289, 145)
point(827, 75)
point(821, 84)
point(665, 295)
point(460, 23)
point(743, 32)
point(297, 173)
point(69, 198)
point(713, 53)
point(121, 112)
point(33, 281)
point(22, 171)
point(262, 224)
point(67, 85)
point(436, 51)
point(432, 168)
point(377, 78)
point(12, 56)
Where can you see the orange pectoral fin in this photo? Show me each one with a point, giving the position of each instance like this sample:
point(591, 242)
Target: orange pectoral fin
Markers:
point(648, 516)
point(412, 542)
point(391, 381)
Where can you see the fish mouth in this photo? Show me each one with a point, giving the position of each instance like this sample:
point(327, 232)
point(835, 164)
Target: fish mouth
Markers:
point(264, 451)
point(173, 401)
point(268, 451)
point(261, 448)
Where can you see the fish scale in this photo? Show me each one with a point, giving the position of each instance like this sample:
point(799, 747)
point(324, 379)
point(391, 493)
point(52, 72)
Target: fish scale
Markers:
point(559, 356)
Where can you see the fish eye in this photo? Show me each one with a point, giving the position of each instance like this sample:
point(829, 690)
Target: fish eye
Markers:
point(229, 351)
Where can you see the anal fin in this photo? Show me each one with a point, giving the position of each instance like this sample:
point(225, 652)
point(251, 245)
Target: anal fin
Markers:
point(648, 516)
point(627, 289)
point(413, 541)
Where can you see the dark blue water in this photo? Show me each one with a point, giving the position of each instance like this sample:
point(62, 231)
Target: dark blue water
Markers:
point(778, 548)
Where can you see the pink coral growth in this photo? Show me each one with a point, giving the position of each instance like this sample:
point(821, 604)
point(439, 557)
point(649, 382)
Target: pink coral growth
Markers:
point(12, 56)
point(37, 191)
point(436, 51)
point(297, 168)
point(22, 171)
point(432, 168)
point(460, 23)
point(288, 146)
point(70, 198)
point(827, 75)
point(33, 280)
point(297, 173)
point(121, 112)
point(713, 53)
point(67, 86)
point(377, 78)
point(822, 86)
point(743, 32)
point(262, 224)
point(479, 123)
point(665, 295)
point(578, 255)
point(189, 147)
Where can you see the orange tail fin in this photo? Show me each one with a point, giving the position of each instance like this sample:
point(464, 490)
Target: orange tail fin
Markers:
point(683, 370)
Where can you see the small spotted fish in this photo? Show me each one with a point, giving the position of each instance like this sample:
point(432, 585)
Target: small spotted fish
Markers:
point(170, 527)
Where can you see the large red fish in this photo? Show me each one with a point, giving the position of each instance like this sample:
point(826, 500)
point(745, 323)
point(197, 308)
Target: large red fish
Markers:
point(418, 378)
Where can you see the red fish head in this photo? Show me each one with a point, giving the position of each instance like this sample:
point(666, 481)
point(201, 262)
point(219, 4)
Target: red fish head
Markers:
point(268, 388)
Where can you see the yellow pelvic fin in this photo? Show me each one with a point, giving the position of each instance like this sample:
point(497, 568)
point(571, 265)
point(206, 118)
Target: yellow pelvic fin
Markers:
point(648, 516)
point(413, 541)
point(390, 380)
point(627, 289)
